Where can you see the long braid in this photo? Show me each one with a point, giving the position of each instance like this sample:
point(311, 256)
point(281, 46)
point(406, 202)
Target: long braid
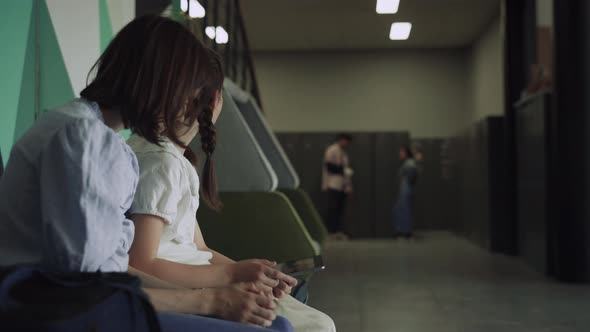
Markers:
point(207, 132)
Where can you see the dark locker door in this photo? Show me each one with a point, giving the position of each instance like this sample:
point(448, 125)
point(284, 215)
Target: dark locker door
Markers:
point(291, 145)
point(432, 198)
point(306, 157)
point(306, 151)
point(532, 182)
point(386, 168)
point(360, 214)
point(312, 148)
point(476, 185)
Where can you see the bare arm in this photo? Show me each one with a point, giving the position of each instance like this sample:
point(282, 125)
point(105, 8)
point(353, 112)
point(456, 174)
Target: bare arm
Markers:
point(327, 158)
point(281, 290)
point(347, 177)
point(197, 302)
point(229, 303)
point(219, 258)
point(150, 281)
point(143, 256)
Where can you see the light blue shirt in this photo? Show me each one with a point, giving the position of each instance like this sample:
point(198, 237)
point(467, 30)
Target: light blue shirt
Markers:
point(63, 197)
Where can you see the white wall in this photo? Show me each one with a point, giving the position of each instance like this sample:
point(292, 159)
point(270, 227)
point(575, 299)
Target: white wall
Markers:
point(425, 91)
point(76, 24)
point(431, 93)
point(121, 12)
point(487, 73)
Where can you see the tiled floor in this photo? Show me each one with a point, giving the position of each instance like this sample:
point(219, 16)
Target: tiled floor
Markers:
point(441, 283)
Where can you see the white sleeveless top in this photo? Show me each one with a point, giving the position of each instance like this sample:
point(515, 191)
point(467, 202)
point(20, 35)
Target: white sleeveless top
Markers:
point(168, 187)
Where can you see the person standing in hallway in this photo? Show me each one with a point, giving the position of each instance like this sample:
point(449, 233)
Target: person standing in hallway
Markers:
point(337, 183)
point(402, 210)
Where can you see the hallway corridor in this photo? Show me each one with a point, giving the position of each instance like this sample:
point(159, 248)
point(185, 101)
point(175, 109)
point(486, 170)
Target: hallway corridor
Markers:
point(441, 283)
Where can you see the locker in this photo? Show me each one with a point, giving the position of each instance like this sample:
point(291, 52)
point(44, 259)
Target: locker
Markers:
point(386, 180)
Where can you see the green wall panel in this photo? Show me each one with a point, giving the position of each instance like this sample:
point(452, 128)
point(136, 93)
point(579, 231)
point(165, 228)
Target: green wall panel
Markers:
point(177, 14)
point(56, 88)
point(17, 64)
point(125, 133)
point(15, 19)
point(26, 103)
point(106, 30)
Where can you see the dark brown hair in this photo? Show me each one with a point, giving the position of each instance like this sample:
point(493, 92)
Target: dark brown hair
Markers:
point(344, 137)
point(409, 153)
point(161, 78)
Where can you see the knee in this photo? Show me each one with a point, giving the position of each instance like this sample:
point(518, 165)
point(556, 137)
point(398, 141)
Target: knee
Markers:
point(281, 324)
point(328, 324)
point(324, 323)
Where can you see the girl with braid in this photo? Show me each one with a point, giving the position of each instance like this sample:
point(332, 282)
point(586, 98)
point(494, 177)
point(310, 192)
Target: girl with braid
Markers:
point(168, 242)
point(71, 178)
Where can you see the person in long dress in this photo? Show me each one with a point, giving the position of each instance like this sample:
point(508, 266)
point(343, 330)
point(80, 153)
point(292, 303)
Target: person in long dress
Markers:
point(402, 210)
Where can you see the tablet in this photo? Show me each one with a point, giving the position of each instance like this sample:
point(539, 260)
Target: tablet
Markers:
point(302, 266)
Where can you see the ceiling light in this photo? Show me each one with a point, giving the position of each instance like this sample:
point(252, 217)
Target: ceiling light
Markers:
point(210, 32)
point(387, 6)
point(195, 10)
point(400, 31)
point(221, 36)
point(184, 5)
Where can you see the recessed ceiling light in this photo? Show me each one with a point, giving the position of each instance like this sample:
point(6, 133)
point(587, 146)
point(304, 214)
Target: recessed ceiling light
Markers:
point(400, 31)
point(387, 6)
point(195, 10)
point(210, 32)
point(221, 36)
point(184, 5)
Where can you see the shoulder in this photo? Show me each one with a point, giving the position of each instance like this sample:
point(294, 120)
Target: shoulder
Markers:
point(161, 179)
point(87, 150)
point(93, 141)
point(334, 148)
point(153, 157)
point(410, 164)
point(159, 162)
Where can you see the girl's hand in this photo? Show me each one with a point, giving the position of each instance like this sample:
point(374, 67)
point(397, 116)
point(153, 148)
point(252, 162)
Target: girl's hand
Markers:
point(282, 290)
point(260, 272)
point(239, 305)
